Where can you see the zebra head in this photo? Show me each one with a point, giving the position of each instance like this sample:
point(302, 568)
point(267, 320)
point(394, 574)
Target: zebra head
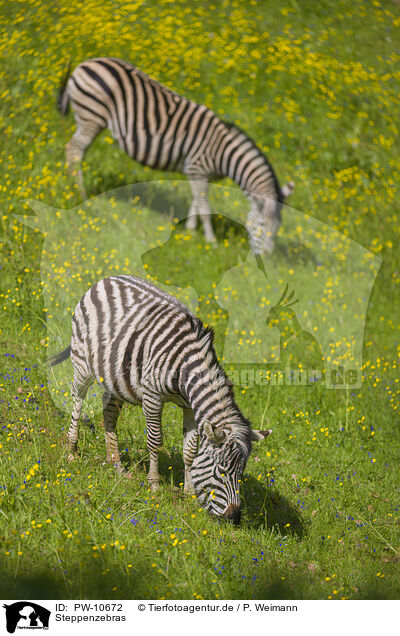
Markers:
point(265, 218)
point(219, 465)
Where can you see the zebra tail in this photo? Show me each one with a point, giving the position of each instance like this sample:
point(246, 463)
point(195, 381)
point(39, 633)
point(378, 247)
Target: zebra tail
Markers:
point(60, 357)
point(63, 99)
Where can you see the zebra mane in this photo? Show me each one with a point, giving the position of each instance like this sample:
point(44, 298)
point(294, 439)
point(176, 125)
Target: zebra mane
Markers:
point(205, 333)
point(240, 425)
point(234, 128)
point(242, 433)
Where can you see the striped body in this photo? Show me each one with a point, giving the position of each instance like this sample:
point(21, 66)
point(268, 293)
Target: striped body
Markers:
point(145, 347)
point(163, 130)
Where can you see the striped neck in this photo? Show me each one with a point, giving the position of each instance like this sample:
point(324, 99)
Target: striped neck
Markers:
point(206, 388)
point(243, 162)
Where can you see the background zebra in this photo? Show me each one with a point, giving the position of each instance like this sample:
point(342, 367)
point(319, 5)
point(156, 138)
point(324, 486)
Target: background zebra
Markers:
point(163, 130)
point(145, 347)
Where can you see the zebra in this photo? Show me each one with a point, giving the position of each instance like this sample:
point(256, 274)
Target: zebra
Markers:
point(161, 129)
point(145, 347)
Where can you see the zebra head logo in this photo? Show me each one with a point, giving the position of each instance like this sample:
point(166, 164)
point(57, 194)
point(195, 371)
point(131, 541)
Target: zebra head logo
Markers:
point(26, 615)
point(265, 218)
point(219, 465)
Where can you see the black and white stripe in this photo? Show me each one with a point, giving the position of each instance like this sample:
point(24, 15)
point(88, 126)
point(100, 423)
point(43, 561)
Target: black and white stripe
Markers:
point(163, 130)
point(144, 347)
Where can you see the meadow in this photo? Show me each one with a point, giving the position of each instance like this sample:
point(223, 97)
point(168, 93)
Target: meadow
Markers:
point(316, 85)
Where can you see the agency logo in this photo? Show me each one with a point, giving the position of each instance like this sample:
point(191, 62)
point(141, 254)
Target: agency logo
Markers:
point(26, 615)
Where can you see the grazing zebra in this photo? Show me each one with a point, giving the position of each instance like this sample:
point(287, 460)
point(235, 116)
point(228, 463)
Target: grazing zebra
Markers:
point(163, 130)
point(145, 347)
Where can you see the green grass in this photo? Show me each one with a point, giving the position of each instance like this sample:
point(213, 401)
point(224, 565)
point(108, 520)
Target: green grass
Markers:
point(317, 87)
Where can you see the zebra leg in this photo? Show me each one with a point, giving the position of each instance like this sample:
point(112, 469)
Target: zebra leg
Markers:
point(152, 409)
point(191, 221)
point(79, 389)
point(111, 408)
point(80, 141)
point(190, 442)
point(200, 203)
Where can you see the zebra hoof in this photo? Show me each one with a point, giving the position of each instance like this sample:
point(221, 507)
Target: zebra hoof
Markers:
point(154, 486)
point(120, 469)
point(123, 472)
point(72, 457)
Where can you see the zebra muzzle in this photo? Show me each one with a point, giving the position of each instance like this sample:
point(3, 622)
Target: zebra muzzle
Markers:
point(232, 513)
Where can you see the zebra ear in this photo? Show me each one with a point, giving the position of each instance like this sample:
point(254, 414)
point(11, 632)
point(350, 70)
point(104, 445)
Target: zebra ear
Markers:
point(213, 433)
point(287, 189)
point(258, 436)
